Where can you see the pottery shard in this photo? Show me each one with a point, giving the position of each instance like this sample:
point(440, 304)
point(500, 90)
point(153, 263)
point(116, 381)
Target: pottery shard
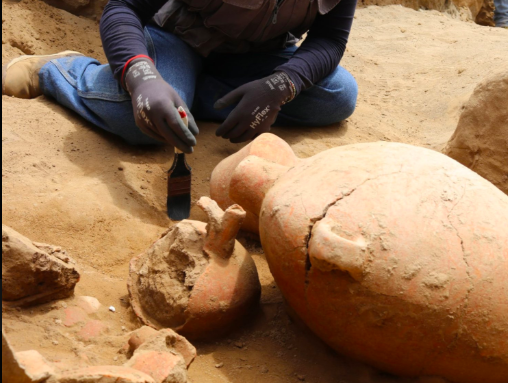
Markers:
point(35, 365)
point(102, 374)
point(140, 336)
point(34, 273)
point(163, 367)
point(168, 341)
point(23, 367)
point(480, 141)
point(12, 372)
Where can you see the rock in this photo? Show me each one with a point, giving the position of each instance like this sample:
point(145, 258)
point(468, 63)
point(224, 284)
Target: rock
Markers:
point(163, 367)
point(168, 341)
point(102, 374)
point(140, 336)
point(31, 275)
point(196, 279)
point(392, 254)
point(480, 141)
point(35, 365)
point(486, 15)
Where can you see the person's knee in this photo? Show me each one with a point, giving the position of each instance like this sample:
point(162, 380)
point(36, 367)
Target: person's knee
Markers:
point(342, 92)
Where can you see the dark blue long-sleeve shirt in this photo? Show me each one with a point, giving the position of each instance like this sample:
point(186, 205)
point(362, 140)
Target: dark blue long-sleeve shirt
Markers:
point(122, 35)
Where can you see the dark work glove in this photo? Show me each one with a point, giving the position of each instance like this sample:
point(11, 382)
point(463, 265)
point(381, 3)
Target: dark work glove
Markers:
point(155, 104)
point(259, 104)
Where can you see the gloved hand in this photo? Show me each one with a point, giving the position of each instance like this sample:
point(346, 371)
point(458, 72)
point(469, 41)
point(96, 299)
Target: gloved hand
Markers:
point(155, 104)
point(259, 103)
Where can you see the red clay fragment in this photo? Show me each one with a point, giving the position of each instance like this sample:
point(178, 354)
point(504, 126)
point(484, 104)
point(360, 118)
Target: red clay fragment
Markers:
point(163, 367)
point(102, 374)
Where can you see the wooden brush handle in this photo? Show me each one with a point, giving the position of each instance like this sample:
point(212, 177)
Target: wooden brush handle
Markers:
point(185, 118)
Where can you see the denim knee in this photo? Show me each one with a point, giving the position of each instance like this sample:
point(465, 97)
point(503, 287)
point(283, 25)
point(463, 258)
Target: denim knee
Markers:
point(341, 91)
point(330, 101)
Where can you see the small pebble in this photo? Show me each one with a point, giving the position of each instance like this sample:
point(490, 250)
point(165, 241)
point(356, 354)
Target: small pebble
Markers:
point(115, 358)
point(112, 309)
point(239, 345)
point(301, 378)
point(220, 365)
point(124, 329)
point(58, 322)
point(55, 342)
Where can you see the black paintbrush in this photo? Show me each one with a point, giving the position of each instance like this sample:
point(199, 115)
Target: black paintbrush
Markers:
point(179, 183)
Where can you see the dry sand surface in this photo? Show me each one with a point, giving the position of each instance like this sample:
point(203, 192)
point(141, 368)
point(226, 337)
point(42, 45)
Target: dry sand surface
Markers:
point(68, 184)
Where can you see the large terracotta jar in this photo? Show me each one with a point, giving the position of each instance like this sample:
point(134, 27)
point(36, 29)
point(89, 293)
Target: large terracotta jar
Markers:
point(393, 254)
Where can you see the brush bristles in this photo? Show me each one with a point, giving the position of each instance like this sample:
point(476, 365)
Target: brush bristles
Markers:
point(179, 189)
point(179, 207)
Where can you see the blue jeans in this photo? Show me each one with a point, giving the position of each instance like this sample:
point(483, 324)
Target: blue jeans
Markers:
point(88, 88)
point(501, 13)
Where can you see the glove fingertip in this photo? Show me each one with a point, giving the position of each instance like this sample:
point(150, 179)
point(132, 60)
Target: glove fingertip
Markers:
point(219, 104)
point(194, 128)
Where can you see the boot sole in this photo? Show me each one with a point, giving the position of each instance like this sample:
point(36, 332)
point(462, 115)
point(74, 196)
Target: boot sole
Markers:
point(6, 67)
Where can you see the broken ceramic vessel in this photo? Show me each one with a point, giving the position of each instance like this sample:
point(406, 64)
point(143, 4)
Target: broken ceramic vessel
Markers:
point(196, 279)
point(392, 254)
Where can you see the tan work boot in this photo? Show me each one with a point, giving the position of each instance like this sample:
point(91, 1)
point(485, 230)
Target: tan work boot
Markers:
point(20, 77)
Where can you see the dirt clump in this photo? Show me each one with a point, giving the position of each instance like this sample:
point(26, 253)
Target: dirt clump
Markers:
point(480, 141)
point(34, 273)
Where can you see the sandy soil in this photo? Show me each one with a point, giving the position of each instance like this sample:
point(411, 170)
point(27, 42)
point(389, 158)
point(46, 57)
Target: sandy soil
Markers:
point(66, 183)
